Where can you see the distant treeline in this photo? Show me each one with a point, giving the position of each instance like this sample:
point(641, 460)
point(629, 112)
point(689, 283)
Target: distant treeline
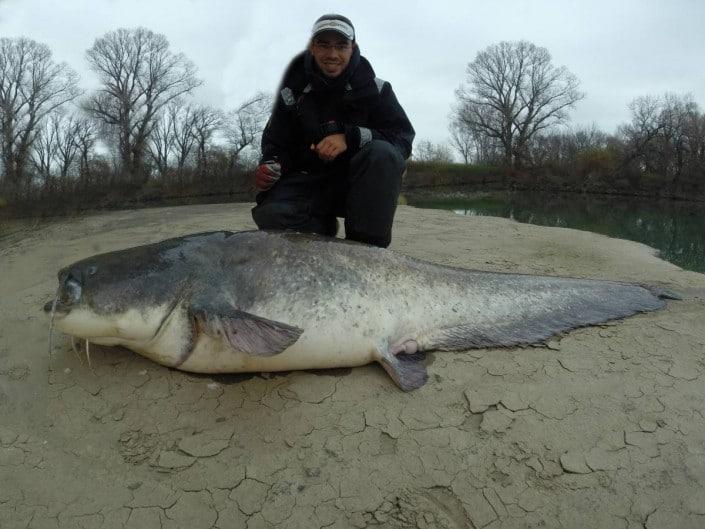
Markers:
point(140, 139)
point(512, 112)
point(660, 153)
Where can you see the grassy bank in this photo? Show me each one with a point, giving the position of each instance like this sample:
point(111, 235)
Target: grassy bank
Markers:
point(429, 175)
point(426, 176)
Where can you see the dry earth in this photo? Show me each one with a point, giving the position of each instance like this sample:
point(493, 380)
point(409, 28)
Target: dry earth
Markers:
point(601, 428)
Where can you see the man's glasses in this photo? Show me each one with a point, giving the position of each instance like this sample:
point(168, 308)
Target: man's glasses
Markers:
point(327, 46)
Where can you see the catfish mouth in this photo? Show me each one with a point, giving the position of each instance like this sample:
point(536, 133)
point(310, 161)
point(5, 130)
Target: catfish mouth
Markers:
point(67, 297)
point(57, 307)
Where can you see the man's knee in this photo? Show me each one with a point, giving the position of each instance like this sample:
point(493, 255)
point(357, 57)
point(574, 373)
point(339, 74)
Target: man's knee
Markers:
point(381, 153)
point(279, 215)
point(294, 216)
point(376, 239)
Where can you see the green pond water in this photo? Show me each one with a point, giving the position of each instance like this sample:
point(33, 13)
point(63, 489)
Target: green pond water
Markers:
point(675, 228)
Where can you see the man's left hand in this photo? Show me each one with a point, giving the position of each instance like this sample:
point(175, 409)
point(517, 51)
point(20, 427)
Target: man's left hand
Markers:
point(330, 147)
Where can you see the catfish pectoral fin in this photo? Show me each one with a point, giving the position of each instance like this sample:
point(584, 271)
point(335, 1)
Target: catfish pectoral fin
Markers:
point(407, 370)
point(245, 332)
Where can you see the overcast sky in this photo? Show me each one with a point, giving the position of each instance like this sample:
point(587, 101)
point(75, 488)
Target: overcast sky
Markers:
point(618, 49)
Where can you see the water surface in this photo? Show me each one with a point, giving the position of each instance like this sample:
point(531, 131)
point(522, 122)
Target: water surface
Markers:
point(675, 228)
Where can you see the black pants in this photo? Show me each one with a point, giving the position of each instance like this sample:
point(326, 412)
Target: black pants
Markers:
point(364, 191)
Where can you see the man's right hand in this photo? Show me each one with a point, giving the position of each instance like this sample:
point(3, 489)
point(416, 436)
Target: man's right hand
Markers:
point(267, 174)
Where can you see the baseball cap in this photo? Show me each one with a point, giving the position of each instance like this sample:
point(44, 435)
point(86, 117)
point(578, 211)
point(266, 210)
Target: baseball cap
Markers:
point(333, 22)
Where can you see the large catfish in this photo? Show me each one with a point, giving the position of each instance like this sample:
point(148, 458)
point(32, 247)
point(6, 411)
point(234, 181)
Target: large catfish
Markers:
point(225, 302)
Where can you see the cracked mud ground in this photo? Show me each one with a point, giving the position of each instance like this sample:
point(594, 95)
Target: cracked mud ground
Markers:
point(603, 427)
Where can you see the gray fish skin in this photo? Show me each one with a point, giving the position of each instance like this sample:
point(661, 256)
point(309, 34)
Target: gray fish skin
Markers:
point(271, 301)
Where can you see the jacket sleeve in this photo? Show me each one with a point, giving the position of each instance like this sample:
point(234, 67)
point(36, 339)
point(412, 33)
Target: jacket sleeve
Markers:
point(278, 135)
point(388, 122)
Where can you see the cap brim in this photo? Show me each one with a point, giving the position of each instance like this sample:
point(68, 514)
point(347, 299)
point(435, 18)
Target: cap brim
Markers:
point(346, 37)
point(337, 26)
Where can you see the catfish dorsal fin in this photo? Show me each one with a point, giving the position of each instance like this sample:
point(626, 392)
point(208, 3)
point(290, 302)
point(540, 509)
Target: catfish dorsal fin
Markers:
point(243, 331)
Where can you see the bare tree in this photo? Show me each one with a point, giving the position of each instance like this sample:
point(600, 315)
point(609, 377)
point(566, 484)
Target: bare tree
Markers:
point(86, 138)
point(574, 153)
point(43, 153)
point(427, 151)
point(695, 147)
point(67, 129)
point(182, 131)
point(588, 137)
point(564, 147)
point(676, 114)
point(462, 139)
point(244, 125)
point(56, 148)
point(643, 127)
point(161, 141)
point(512, 92)
point(139, 76)
point(471, 143)
point(32, 85)
point(182, 124)
point(662, 137)
point(206, 120)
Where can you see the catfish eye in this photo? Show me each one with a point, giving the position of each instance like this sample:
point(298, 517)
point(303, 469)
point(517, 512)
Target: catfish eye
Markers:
point(71, 291)
point(92, 270)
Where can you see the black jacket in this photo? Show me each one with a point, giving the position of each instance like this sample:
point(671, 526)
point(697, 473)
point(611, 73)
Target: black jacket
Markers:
point(310, 106)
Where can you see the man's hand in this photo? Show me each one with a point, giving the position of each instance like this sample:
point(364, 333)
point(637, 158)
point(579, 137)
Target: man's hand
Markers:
point(267, 174)
point(330, 147)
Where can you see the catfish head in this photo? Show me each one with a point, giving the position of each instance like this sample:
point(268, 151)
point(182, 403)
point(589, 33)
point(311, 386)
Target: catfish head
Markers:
point(123, 297)
point(161, 299)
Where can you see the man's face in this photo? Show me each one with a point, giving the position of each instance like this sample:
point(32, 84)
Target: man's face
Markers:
point(332, 52)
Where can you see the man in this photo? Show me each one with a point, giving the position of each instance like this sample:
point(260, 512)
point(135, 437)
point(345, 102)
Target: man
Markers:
point(335, 144)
